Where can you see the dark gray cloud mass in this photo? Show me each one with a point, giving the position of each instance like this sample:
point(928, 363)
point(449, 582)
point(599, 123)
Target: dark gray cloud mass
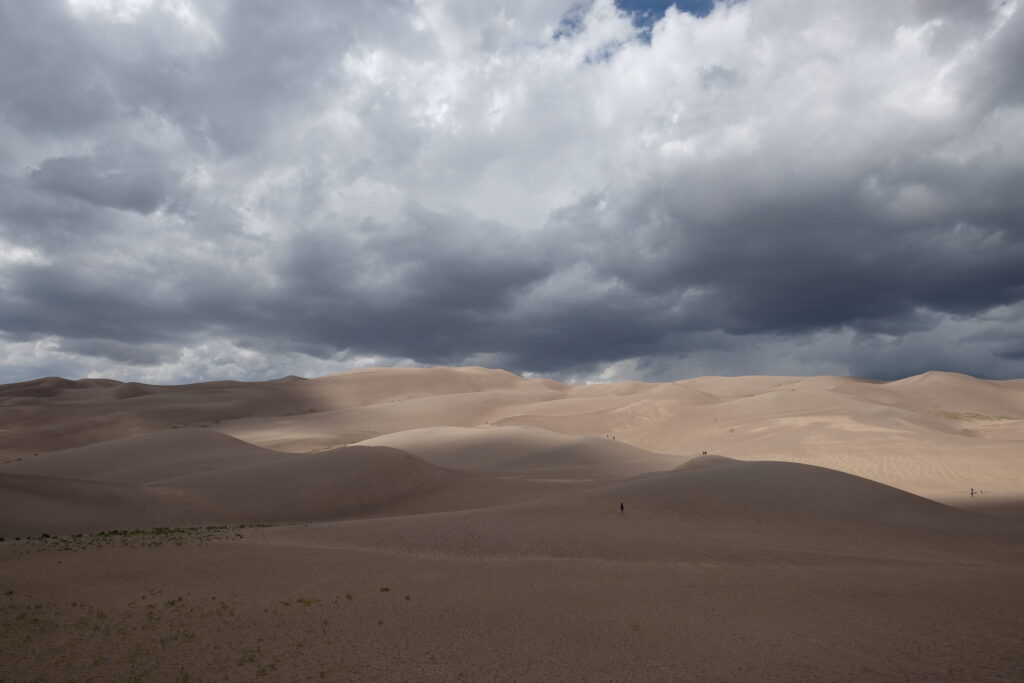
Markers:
point(198, 190)
point(132, 184)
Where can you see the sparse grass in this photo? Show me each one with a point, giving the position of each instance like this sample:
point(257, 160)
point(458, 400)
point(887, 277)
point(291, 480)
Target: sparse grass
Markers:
point(974, 417)
point(150, 632)
point(136, 537)
point(159, 637)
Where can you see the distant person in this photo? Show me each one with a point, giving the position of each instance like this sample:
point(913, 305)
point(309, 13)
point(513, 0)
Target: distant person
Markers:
point(972, 493)
point(622, 508)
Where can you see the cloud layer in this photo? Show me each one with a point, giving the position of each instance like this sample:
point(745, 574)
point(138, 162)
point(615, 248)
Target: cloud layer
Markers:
point(251, 189)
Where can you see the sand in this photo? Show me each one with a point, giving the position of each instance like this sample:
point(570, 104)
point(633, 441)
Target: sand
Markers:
point(465, 523)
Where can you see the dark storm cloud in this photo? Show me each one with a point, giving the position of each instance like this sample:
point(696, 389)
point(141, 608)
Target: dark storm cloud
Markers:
point(133, 184)
point(121, 352)
point(251, 189)
point(52, 79)
point(789, 264)
point(430, 281)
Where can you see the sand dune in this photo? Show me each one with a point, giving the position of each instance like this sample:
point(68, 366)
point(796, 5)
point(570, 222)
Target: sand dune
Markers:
point(425, 507)
point(329, 429)
point(198, 477)
point(707, 511)
point(936, 434)
point(718, 489)
point(34, 505)
point(302, 487)
point(526, 451)
point(950, 391)
point(383, 385)
point(147, 458)
point(50, 415)
point(348, 482)
point(247, 486)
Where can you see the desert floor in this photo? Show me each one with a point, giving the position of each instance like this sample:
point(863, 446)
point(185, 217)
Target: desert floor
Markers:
point(465, 524)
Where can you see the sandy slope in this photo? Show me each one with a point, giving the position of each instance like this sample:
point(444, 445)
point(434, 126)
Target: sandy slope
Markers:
point(147, 458)
point(708, 510)
point(526, 451)
point(937, 434)
point(33, 505)
point(271, 488)
point(447, 523)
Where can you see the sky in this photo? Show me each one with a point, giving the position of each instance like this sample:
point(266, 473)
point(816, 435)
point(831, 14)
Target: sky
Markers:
point(246, 189)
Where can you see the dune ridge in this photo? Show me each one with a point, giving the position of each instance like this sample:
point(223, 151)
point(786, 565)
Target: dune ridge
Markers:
point(324, 448)
point(936, 434)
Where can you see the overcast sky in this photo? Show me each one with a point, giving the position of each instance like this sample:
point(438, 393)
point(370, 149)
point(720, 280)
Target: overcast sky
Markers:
point(582, 190)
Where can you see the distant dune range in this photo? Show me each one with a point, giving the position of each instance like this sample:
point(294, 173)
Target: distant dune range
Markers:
point(744, 528)
point(936, 434)
point(98, 454)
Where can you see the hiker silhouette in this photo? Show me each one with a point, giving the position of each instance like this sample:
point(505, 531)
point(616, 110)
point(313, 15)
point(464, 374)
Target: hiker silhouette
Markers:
point(622, 508)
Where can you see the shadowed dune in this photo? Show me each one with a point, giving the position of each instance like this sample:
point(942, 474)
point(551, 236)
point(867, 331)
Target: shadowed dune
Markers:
point(349, 482)
point(32, 505)
point(270, 487)
point(711, 509)
point(325, 485)
point(526, 451)
point(147, 458)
